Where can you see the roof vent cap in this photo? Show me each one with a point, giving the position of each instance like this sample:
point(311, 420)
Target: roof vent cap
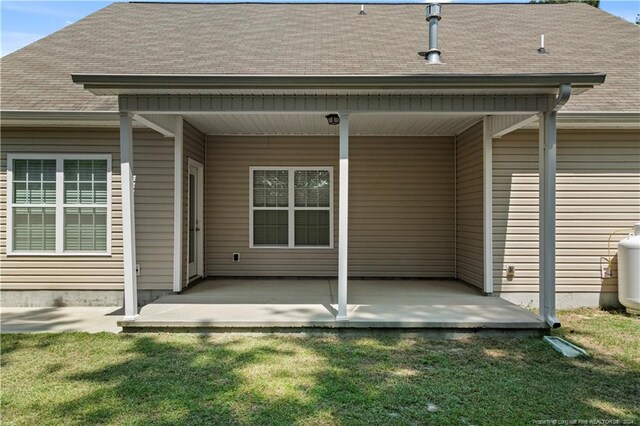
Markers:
point(434, 10)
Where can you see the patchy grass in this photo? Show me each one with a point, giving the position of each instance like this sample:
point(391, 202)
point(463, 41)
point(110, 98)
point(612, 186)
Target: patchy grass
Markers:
point(238, 379)
point(613, 335)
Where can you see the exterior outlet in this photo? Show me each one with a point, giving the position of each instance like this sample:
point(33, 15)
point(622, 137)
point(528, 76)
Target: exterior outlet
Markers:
point(511, 272)
point(138, 269)
point(605, 272)
point(236, 257)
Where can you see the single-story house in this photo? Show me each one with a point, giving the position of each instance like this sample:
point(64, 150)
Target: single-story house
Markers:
point(150, 146)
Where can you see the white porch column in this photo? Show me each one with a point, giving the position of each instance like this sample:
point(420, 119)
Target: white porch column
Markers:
point(128, 218)
point(177, 203)
point(487, 212)
point(547, 208)
point(343, 218)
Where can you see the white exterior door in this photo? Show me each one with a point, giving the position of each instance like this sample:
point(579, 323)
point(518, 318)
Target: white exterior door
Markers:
point(195, 217)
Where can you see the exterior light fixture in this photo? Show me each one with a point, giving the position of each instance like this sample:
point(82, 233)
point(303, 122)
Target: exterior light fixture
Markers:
point(333, 119)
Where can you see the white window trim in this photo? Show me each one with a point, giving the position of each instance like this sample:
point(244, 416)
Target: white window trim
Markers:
point(59, 205)
point(291, 208)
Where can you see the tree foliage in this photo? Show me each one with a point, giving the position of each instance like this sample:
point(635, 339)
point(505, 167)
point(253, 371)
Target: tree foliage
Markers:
point(594, 3)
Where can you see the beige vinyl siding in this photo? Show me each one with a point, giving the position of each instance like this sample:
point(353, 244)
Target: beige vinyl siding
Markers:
point(94, 272)
point(194, 148)
point(63, 272)
point(400, 206)
point(469, 206)
point(598, 191)
point(153, 169)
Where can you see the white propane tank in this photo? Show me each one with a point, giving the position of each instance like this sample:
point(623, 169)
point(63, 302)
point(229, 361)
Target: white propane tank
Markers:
point(629, 271)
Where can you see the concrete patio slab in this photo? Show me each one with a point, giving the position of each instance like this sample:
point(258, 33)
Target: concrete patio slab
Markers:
point(64, 319)
point(277, 305)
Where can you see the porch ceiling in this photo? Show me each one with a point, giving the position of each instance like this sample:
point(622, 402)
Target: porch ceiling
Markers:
point(407, 124)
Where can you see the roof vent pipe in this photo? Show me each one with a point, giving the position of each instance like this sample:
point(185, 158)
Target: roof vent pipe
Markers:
point(541, 49)
point(362, 11)
point(433, 17)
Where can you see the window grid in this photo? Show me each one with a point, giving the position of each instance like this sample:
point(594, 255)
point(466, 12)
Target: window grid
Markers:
point(34, 196)
point(319, 204)
point(51, 210)
point(84, 205)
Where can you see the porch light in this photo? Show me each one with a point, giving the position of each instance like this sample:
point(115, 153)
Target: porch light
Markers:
point(333, 119)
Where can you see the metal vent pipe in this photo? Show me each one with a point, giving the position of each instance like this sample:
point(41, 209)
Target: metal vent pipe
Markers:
point(433, 17)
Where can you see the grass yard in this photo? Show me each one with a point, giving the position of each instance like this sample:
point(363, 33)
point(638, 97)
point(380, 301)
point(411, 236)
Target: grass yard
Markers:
point(238, 379)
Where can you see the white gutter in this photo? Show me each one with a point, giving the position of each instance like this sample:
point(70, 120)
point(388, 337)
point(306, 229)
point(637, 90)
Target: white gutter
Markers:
point(139, 83)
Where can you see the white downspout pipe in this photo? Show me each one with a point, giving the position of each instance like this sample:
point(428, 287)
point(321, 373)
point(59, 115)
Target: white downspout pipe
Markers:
point(547, 239)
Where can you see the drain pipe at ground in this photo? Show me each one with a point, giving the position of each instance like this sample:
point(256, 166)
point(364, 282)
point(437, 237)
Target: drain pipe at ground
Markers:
point(547, 175)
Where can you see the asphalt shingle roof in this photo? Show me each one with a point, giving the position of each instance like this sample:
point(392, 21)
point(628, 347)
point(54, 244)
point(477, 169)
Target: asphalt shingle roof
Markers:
point(323, 39)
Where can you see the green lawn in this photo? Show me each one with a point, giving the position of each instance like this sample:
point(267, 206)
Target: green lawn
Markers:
point(238, 379)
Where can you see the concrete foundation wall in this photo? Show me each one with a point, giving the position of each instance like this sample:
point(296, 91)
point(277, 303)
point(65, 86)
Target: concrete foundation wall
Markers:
point(59, 298)
point(569, 300)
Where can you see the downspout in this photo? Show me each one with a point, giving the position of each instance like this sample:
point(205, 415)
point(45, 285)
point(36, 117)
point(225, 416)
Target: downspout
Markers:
point(564, 93)
point(549, 309)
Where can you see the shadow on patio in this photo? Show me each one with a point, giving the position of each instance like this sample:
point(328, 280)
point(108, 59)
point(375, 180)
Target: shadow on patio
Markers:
point(302, 303)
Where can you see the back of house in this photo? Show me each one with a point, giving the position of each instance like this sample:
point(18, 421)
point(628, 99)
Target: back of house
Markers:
point(150, 146)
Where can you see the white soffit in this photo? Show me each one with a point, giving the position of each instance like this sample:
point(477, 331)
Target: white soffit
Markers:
point(316, 124)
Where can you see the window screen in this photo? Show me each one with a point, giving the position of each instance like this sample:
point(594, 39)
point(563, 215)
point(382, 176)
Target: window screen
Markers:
point(85, 205)
point(69, 192)
point(270, 203)
point(34, 199)
point(309, 210)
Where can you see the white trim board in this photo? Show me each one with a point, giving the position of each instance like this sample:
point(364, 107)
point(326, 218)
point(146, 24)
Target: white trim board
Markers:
point(200, 217)
point(178, 161)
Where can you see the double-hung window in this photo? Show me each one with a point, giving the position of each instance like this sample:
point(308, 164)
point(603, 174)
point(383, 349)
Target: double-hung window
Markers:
point(59, 204)
point(291, 207)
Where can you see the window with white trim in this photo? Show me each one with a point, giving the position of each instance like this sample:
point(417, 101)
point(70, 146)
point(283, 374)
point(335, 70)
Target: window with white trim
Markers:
point(59, 204)
point(291, 207)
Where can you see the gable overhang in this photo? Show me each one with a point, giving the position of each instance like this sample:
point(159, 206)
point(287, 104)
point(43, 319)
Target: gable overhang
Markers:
point(446, 93)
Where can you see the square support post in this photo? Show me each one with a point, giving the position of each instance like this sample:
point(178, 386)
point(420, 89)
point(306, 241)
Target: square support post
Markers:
point(547, 209)
point(487, 204)
point(128, 218)
point(343, 223)
point(177, 203)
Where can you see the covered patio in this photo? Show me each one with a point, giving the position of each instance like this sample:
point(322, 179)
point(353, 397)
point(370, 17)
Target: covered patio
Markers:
point(446, 307)
point(495, 104)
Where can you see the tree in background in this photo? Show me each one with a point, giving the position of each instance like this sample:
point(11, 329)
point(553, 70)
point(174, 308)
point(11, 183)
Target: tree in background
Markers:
point(594, 3)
